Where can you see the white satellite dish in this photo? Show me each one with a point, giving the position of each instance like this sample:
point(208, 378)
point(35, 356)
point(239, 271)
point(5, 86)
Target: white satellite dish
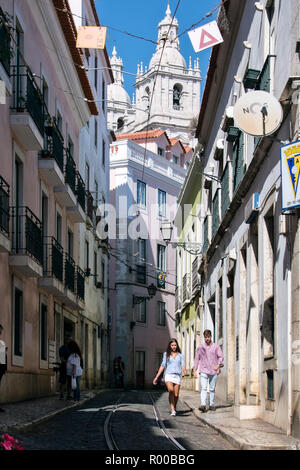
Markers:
point(257, 113)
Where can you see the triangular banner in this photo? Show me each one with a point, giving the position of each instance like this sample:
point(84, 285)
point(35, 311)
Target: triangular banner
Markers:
point(206, 39)
point(206, 36)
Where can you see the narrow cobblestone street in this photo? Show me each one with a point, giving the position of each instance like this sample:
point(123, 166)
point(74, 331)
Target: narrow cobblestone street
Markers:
point(134, 426)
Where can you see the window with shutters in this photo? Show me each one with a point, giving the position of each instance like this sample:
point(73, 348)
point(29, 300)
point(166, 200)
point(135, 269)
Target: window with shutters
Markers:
point(215, 215)
point(141, 193)
point(225, 194)
point(162, 202)
point(238, 161)
point(265, 76)
point(141, 274)
point(161, 313)
point(140, 312)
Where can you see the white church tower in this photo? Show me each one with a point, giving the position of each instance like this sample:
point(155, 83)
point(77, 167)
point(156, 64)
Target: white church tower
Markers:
point(167, 86)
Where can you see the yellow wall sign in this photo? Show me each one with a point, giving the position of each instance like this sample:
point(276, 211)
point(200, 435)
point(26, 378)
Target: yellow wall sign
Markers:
point(290, 175)
point(91, 37)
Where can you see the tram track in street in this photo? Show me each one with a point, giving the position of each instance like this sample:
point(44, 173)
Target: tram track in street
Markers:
point(111, 438)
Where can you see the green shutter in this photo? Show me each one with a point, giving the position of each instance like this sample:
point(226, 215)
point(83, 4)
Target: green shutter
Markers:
point(225, 196)
point(238, 161)
point(205, 235)
point(265, 78)
point(216, 215)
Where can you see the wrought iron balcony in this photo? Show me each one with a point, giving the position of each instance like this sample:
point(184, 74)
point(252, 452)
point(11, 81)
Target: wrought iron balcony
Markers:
point(5, 40)
point(91, 210)
point(54, 145)
point(80, 283)
point(69, 273)
point(27, 96)
point(80, 191)
point(70, 171)
point(27, 233)
point(4, 206)
point(53, 258)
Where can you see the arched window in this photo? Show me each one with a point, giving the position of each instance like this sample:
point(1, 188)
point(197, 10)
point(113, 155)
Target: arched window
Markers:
point(120, 124)
point(177, 92)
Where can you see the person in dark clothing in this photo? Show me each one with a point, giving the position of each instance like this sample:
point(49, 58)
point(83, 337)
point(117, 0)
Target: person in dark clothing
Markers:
point(64, 353)
point(122, 371)
point(117, 370)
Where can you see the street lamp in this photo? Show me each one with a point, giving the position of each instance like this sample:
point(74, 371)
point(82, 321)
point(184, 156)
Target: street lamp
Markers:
point(139, 299)
point(166, 231)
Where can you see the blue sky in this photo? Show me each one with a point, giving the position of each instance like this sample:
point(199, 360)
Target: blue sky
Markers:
point(141, 17)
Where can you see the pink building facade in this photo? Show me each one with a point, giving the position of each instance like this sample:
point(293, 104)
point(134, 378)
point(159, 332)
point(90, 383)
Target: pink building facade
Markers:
point(47, 101)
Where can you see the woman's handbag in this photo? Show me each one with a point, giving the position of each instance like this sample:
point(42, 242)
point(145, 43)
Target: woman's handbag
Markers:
point(73, 383)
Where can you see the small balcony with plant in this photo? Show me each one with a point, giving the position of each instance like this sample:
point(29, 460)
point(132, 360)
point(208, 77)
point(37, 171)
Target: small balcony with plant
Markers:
point(27, 109)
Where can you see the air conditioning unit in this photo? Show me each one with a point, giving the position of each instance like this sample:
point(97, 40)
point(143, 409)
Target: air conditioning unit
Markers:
point(251, 208)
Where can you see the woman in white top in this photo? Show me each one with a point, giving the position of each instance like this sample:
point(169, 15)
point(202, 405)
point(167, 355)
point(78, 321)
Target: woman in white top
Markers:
point(74, 367)
point(173, 362)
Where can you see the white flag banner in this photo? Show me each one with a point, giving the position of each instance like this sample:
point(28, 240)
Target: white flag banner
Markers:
point(91, 37)
point(206, 36)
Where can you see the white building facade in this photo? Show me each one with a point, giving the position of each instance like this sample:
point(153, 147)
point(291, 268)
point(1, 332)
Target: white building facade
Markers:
point(249, 265)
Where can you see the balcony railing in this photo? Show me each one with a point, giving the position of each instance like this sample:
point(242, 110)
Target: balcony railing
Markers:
point(54, 145)
point(27, 96)
point(53, 258)
point(5, 51)
point(27, 233)
point(69, 273)
point(91, 211)
point(70, 171)
point(4, 206)
point(80, 191)
point(80, 283)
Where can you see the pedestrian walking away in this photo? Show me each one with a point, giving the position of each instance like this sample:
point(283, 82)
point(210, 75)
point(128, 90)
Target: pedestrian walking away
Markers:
point(210, 358)
point(118, 371)
point(122, 371)
point(3, 358)
point(174, 366)
point(64, 353)
point(74, 367)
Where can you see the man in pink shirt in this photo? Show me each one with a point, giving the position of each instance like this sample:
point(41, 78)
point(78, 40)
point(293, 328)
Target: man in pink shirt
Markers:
point(210, 357)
